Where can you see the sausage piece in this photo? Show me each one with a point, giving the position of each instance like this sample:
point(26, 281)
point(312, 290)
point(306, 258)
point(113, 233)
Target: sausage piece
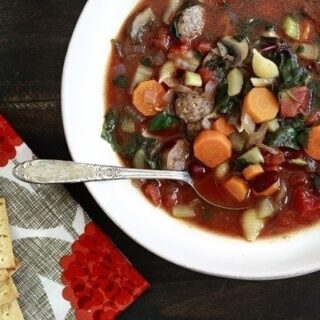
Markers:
point(192, 107)
point(191, 22)
point(177, 157)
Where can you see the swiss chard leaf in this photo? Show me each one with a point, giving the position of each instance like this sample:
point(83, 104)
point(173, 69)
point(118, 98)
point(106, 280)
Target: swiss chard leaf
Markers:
point(162, 121)
point(288, 134)
point(225, 103)
point(316, 181)
point(133, 143)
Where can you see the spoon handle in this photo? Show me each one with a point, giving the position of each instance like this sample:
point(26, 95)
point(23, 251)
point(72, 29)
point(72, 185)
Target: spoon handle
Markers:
point(56, 171)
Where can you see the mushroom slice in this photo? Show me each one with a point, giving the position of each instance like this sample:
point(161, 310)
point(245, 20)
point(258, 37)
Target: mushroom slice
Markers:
point(240, 49)
point(140, 23)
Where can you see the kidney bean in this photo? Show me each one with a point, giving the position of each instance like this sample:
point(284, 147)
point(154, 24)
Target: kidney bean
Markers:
point(264, 181)
point(197, 170)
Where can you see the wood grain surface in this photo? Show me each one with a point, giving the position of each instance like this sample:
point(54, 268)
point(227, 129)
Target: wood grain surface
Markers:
point(34, 36)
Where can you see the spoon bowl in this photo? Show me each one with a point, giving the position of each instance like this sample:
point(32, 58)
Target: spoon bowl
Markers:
point(57, 171)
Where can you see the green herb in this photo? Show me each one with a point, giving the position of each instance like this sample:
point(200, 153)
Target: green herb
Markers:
point(239, 165)
point(215, 63)
point(147, 61)
point(162, 121)
point(316, 181)
point(300, 49)
point(198, 55)
point(246, 28)
point(120, 81)
point(317, 41)
point(288, 134)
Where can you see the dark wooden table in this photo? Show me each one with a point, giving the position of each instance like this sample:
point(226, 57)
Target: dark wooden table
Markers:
point(34, 36)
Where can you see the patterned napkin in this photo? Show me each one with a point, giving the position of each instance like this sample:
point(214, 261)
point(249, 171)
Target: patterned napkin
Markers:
point(71, 270)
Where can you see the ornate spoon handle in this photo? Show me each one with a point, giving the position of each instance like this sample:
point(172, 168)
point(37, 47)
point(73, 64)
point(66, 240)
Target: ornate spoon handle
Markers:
point(56, 171)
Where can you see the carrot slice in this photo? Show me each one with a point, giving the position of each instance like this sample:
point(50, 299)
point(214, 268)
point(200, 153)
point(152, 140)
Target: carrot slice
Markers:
point(212, 148)
point(270, 191)
point(261, 105)
point(237, 187)
point(148, 98)
point(313, 145)
point(223, 126)
point(252, 171)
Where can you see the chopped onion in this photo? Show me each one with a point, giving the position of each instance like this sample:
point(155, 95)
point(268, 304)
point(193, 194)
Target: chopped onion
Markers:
point(134, 113)
point(142, 73)
point(139, 49)
point(119, 48)
point(312, 165)
point(247, 124)
point(233, 118)
point(120, 69)
point(210, 90)
point(267, 148)
point(178, 87)
point(172, 8)
point(257, 137)
point(159, 58)
point(209, 57)
point(206, 123)
point(185, 65)
point(169, 96)
point(282, 195)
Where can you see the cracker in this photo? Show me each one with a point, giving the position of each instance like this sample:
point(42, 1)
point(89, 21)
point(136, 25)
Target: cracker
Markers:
point(6, 273)
point(11, 311)
point(6, 252)
point(8, 292)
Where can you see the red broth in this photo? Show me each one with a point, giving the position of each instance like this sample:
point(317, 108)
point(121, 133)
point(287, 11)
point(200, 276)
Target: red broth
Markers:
point(221, 18)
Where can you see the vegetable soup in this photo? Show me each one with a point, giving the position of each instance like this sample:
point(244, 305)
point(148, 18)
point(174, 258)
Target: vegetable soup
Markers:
point(228, 90)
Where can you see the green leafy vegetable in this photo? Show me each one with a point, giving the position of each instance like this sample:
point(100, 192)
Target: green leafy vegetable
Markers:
point(162, 121)
point(316, 181)
point(225, 103)
point(121, 81)
point(132, 144)
point(314, 86)
point(287, 135)
point(292, 73)
point(147, 61)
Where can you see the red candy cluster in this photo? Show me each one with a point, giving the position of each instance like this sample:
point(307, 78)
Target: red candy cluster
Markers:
point(8, 141)
point(99, 281)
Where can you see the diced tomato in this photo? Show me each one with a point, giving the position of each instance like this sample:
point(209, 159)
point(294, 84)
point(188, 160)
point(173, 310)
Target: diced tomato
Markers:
point(298, 179)
point(203, 47)
point(294, 100)
point(305, 204)
point(287, 219)
point(207, 74)
point(272, 160)
point(179, 47)
point(163, 39)
point(153, 193)
point(313, 118)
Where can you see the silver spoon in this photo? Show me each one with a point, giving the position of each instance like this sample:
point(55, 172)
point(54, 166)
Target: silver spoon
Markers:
point(57, 171)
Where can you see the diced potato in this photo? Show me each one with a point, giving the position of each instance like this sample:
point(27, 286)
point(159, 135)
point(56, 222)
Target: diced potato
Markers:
point(273, 125)
point(192, 79)
point(183, 212)
point(262, 82)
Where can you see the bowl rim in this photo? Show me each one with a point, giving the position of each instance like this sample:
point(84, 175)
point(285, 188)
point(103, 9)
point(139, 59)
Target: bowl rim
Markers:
point(67, 72)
